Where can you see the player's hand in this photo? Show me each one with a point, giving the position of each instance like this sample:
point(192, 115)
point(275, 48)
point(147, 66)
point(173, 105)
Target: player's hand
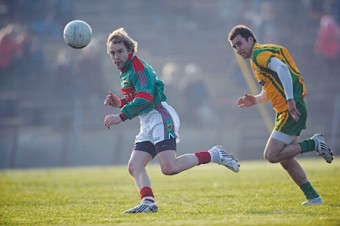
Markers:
point(111, 120)
point(293, 111)
point(112, 100)
point(246, 101)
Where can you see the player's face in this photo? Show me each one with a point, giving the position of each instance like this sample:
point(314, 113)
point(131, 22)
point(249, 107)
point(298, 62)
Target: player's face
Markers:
point(242, 46)
point(119, 54)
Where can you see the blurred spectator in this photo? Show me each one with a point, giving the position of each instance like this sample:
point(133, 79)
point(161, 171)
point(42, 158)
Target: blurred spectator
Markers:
point(171, 76)
point(195, 96)
point(198, 105)
point(32, 62)
point(169, 72)
point(327, 43)
point(10, 49)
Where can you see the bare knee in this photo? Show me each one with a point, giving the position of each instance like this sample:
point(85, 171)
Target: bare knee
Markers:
point(133, 167)
point(169, 170)
point(130, 169)
point(272, 160)
point(273, 151)
point(270, 157)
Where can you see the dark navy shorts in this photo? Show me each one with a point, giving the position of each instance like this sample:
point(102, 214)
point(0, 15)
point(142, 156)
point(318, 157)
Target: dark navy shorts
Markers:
point(154, 149)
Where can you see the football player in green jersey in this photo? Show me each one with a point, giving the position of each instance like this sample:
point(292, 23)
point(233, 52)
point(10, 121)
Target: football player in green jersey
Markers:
point(143, 96)
point(282, 85)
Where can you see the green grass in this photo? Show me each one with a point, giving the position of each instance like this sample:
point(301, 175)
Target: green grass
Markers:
point(260, 194)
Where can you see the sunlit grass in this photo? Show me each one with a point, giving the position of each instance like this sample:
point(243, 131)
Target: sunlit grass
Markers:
point(260, 194)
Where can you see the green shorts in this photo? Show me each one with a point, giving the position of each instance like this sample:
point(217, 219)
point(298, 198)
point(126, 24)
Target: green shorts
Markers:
point(285, 123)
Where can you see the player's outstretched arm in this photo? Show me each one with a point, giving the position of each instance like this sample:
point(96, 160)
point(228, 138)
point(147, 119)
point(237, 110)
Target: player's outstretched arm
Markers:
point(248, 100)
point(112, 100)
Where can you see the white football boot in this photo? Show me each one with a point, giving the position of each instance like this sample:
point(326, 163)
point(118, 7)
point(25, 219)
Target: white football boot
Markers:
point(322, 148)
point(143, 207)
point(220, 156)
point(314, 201)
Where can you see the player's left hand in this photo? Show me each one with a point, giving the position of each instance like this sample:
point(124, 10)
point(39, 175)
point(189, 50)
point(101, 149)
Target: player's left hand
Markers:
point(111, 120)
point(112, 100)
point(293, 111)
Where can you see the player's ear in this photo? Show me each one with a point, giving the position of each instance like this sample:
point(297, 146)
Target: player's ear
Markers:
point(250, 40)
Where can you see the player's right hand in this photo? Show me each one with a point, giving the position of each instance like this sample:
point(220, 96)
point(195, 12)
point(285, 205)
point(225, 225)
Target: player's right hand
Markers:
point(112, 100)
point(246, 101)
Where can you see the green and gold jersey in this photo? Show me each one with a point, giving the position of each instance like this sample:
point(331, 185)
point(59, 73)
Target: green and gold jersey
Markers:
point(269, 80)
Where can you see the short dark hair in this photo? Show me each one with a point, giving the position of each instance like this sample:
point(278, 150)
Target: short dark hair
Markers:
point(242, 30)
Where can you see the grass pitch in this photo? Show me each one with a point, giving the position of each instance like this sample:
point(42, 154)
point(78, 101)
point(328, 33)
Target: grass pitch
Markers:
point(260, 194)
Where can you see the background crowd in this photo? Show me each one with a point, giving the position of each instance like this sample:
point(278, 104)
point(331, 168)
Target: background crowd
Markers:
point(51, 96)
